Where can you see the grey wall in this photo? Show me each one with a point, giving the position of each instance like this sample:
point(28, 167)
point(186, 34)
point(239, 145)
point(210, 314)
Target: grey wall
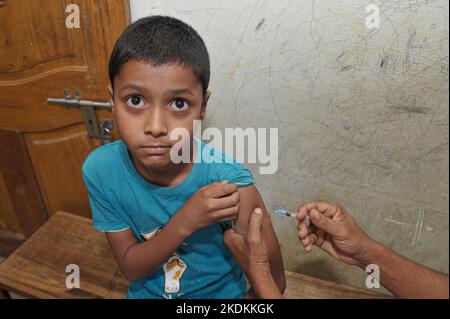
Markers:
point(362, 113)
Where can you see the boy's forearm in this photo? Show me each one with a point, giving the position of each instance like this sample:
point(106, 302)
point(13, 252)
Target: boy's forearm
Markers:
point(142, 259)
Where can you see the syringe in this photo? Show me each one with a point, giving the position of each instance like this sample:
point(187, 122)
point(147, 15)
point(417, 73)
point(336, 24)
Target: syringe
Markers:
point(285, 213)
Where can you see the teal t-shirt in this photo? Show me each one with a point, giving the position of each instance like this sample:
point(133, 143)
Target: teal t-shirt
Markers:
point(120, 198)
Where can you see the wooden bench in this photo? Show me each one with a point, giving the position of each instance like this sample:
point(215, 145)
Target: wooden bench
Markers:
point(37, 269)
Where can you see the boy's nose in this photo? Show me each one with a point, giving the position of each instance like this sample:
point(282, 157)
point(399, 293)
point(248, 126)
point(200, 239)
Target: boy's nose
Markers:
point(155, 124)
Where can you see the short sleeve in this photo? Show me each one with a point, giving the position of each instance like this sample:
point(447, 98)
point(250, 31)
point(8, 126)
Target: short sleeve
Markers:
point(240, 176)
point(104, 217)
point(226, 168)
point(235, 173)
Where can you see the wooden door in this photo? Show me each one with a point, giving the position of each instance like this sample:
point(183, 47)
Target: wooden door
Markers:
point(42, 146)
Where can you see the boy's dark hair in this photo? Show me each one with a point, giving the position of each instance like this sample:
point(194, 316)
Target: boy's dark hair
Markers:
point(161, 40)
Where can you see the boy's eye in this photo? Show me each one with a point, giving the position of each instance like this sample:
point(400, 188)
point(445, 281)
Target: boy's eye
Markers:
point(179, 105)
point(135, 101)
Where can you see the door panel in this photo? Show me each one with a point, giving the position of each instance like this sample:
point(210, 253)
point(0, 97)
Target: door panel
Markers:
point(57, 167)
point(21, 208)
point(32, 28)
point(40, 58)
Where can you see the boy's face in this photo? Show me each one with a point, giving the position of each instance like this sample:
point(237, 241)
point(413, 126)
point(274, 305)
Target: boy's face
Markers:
point(149, 102)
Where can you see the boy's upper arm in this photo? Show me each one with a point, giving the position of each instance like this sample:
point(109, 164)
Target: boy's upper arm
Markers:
point(249, 200)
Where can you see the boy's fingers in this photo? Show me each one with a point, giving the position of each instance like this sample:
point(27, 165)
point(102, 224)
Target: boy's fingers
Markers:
point(221, 190)
point(225, 214)
point(207, 186)
point(225, 202)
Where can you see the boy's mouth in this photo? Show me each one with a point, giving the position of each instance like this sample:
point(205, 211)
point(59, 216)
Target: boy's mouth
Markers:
point(156, 149)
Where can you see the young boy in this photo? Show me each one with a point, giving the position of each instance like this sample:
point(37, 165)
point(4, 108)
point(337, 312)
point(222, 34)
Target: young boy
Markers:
point(164, 221)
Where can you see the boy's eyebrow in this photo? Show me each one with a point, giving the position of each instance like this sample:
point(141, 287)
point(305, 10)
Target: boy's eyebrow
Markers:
point(174, 92)
point(132, 86)
point(182, 91)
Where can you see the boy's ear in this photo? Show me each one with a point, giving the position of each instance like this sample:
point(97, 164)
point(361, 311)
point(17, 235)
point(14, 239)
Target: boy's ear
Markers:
point(204, 104)
point(111, 97)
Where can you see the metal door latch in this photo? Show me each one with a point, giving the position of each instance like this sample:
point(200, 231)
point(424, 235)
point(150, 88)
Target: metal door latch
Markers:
point(95, 129)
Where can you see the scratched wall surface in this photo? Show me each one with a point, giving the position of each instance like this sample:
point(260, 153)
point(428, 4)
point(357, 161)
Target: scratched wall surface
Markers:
point(362, 113)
